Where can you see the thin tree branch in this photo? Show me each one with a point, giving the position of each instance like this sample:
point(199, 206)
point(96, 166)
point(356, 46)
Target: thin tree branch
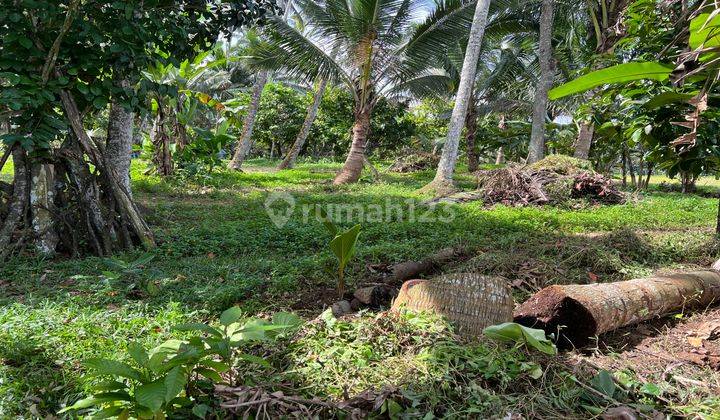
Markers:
point(55, 48)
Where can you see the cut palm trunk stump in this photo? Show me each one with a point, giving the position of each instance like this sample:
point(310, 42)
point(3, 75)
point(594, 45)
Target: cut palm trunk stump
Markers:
point(469, 301)
point(576, 313)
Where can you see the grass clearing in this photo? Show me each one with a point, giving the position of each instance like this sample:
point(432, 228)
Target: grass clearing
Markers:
point(218, 247)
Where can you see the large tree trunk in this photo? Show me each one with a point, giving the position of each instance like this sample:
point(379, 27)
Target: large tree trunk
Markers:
point(547, 73)
point(128, 215)
point(576, 313)
point(470, 301)
point(119, 142)
point(584, 140)
point(245, 142)
point(446, 167)
point(42, 207)
point(18, 201)
point(289, 161)
point(352, 169)
point(470, 135)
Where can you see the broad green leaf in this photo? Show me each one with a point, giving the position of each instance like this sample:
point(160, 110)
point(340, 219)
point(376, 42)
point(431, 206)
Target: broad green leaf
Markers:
point(210, 374)
point(138, 353)
point(156, 362)
point(286, 321)
point(144, 259)
point(343, 246)
point(97, 400)
point(667, 98)
point(253, 330)
point(621, 73)
point(230, 315)
point(175, 381)
point(198, 327)
point(151, 395)
point(511, 331)
point(327, 221)
point(651, 389)
point(108, 413)
point(604, 383)
point(705, 31)
point(113, 368)
point(201, 410)
point(218, 366)
point(25, 42)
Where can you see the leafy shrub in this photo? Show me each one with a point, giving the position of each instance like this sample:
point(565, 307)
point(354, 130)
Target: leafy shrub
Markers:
point(166, 378)
point(203, 153)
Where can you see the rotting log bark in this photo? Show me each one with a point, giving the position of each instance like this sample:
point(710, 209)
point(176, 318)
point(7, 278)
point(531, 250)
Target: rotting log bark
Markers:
point(575, 313)
point(469, 301)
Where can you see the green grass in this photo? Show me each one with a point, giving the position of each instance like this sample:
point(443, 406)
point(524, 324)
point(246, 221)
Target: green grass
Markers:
point(217, 247)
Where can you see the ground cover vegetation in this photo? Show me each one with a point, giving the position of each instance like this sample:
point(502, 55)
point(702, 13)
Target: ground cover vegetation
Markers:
point(207, 207)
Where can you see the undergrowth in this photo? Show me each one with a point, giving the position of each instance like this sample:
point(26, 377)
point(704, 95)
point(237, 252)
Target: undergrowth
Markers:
point(217, 247)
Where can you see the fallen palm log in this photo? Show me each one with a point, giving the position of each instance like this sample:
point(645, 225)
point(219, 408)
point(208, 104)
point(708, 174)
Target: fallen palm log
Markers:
point(413, 269)
point(469, 301)
point(575, 313)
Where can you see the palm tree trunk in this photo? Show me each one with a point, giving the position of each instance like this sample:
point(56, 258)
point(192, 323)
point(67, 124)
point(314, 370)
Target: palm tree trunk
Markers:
point(470, 134)
point(446, 167)
point(289, 161)
point(352, 169)
point(537, 136)
point(119, 142)
point(584, 140)
point(245, 141)
point(500, 157)
point(161, 144)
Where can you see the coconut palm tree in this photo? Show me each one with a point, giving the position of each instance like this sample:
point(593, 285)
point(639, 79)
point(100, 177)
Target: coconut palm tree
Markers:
point(547, 74)
point(289, 161)
point(444, 175)
point(373, 39)
point(505, 60)
point(245, 142)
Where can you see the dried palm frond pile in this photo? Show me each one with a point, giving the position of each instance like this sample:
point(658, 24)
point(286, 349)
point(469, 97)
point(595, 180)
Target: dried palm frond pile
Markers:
point(522, 186)
point(414, 161)
point(554, 180)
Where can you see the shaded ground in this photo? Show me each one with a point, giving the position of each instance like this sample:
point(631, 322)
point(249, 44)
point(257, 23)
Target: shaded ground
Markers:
point(678, 354)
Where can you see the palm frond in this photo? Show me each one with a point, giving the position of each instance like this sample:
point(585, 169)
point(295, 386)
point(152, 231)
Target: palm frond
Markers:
point(285, 48)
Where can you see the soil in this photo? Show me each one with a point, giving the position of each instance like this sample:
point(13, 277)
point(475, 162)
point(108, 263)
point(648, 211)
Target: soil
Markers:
point(670, 349)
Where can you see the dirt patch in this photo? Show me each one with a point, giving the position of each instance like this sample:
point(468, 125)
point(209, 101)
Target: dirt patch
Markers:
point(673, 350)
point(313, 300)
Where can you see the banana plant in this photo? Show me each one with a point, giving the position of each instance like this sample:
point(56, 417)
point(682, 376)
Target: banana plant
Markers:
point(342, 245)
